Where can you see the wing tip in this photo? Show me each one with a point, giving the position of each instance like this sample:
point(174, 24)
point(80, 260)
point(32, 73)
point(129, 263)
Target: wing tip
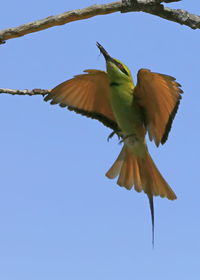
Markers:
point(47, 97)
point(169, 123)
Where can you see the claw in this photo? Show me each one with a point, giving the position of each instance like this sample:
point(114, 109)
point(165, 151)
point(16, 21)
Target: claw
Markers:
point(127, 136)
point(112, 134)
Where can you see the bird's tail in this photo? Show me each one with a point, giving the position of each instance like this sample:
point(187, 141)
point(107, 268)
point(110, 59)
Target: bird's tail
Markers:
point(142, 173)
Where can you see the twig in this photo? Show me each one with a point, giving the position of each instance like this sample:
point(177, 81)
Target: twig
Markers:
point(25, 91)
point(170, 1)
point(153, 7)
point(148, 6)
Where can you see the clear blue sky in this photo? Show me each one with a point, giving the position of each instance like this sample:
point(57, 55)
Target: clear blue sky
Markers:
point(60, 217)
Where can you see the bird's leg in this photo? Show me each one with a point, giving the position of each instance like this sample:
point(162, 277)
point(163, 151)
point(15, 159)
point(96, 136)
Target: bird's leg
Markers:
point(113, 133)
point(126, 137)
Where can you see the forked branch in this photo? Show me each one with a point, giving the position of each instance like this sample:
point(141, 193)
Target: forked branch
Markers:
point(154, 7)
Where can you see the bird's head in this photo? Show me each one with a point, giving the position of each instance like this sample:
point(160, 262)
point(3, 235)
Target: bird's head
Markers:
point(115, 68)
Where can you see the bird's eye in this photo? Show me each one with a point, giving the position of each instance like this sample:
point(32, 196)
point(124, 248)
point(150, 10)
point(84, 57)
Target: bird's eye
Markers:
point(121, 67)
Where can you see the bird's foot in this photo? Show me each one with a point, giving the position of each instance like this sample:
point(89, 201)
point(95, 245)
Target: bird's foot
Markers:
point(126, 137)
point(113, 133)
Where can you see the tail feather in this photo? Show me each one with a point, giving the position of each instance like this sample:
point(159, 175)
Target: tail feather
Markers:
point(117, 165)
point(137, 176)
point(140, 172)
point(129, 173)
point(152, 216)
point(124, 174)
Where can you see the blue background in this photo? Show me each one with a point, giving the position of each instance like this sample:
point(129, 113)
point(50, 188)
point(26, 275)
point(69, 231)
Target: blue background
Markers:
point(60, 217)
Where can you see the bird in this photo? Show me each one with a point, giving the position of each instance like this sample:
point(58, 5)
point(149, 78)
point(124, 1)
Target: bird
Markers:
point(131, 111)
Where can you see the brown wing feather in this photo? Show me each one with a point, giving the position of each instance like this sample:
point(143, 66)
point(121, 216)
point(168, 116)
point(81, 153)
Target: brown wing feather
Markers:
point(159, 96)
point(86, 94)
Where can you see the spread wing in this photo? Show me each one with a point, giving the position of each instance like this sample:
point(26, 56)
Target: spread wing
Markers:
point(86, 94)
point(159, 96)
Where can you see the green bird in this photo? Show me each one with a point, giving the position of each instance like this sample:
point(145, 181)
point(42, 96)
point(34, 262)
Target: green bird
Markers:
point(131, 112)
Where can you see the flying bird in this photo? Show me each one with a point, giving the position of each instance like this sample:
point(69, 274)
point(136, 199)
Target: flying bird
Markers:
point(131, 112)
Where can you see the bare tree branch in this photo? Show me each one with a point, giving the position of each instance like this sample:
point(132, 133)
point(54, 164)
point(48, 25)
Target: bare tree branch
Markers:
point(170, 1)
point(60, 19)
point(148, 6)
point(153, 7)
point(25, 91)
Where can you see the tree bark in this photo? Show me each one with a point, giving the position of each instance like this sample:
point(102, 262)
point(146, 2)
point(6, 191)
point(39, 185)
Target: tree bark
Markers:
point(153, 7)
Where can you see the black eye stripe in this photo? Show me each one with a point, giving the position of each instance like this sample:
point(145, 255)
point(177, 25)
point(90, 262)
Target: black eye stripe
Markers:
point(121, 67)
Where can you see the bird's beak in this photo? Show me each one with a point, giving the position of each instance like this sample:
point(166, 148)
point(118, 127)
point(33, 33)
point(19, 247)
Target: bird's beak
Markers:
point(104, 52)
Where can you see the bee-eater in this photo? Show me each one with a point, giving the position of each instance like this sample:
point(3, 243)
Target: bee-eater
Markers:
point(130, 111)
